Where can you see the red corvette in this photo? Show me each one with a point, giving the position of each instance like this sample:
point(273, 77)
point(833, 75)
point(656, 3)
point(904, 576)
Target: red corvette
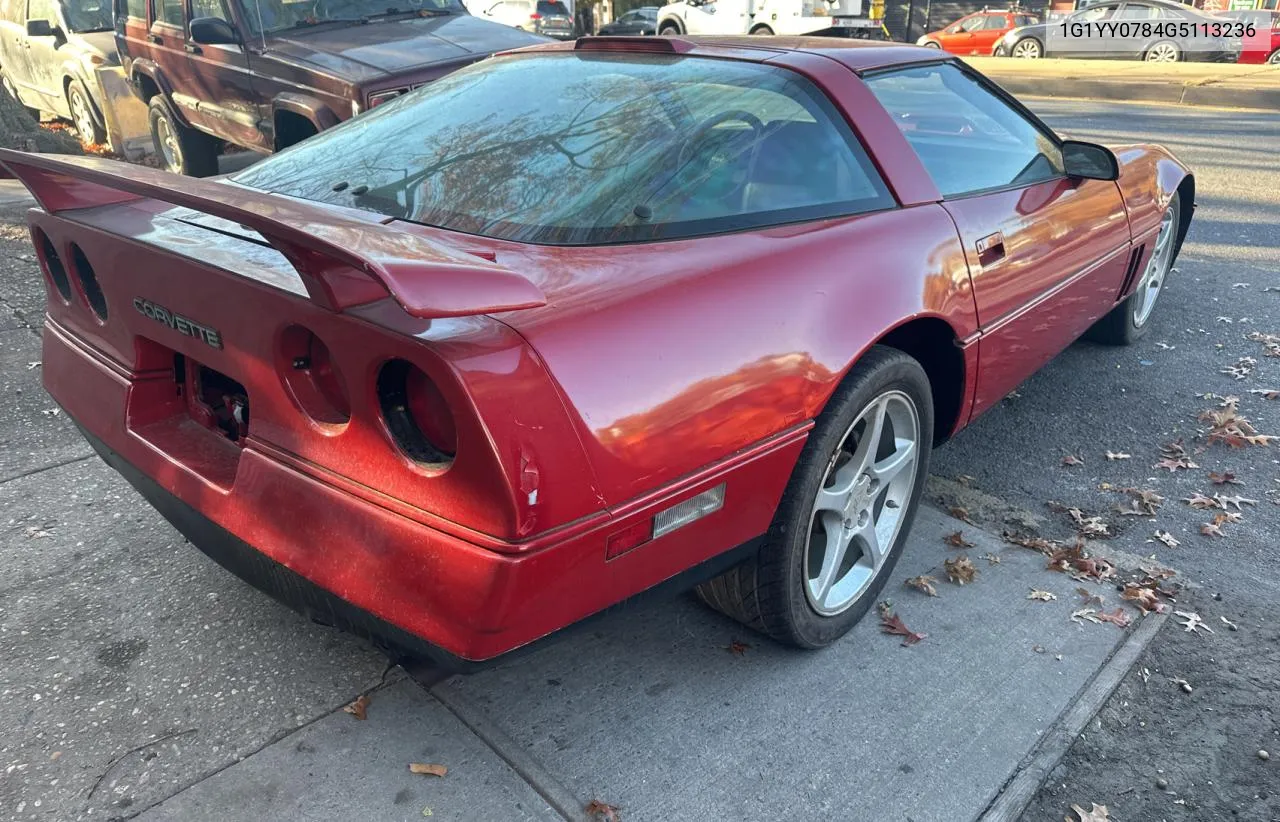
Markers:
point(587, 318)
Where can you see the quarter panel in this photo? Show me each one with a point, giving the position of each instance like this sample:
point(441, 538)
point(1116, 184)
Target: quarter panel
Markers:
point(673, 355)
point(1149, 176)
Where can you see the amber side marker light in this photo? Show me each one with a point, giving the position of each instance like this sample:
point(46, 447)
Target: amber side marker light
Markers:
point(665, 521)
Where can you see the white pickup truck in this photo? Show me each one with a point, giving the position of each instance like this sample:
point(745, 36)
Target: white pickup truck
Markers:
point(848, 18)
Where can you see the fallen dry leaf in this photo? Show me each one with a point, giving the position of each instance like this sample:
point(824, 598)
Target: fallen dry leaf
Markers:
point(1072, 459)
point(1085, 613)
point(1044, 546)
point(1266, 393)
point(1118, 455)
point(960, 570)
point(1098, 813)
point(992, 559)
point(360, 708)
point(603, 810)
point(1224, 500)
point(1225, 478)
point(1231, 517)
point(960, 513)
point(1042, 596)
point(1191, 622)
point(891, 623)
point(1167, 538)
point(957, 540)
point(924, 583)
point(1090, 598)
point(1118, 617)
point(1145, 598)
point(1211, 529)
point(427, 770)
point(1181, 683)
point(737, 647)
point(1198, 500)
point(1088, 526)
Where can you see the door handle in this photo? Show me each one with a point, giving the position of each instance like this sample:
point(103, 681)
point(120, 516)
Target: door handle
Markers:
point(192, 48)
point(990, 248)
point(155, 38)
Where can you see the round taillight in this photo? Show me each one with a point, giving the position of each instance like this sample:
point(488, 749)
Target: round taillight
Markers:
point(308, 371)
point(89, 282)
point(53, 265)
point(416, 414)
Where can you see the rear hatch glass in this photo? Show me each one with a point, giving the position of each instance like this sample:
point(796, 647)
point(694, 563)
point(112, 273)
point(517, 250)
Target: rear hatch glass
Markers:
point(552, 8)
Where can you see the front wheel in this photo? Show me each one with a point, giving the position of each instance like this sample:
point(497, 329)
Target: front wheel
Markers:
point(844, 518)
point(1129, 320)
point(933, 44)
point(181, 150)
point(1163, 52)
point(82, 116)
point(1274, 59)
point(764, 30)
point(669, 30)
point(1028, 48)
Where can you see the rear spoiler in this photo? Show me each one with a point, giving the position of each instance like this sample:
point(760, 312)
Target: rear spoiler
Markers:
point(343, 262)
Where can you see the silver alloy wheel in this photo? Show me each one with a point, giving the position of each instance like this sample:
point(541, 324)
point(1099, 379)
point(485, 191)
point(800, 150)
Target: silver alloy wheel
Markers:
point(81, 116)
point(1027, 49)
point(1274, 59)
point(860, 508)
point(169, 145)
point(1157, 270)
point(1163, 53)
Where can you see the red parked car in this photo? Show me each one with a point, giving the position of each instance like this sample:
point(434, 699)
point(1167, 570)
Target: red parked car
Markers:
point(977, 33)
point(1264, 45)
point(502, 353)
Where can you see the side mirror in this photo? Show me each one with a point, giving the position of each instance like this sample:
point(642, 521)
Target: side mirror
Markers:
point(40, 28)
point(1089, 161)
point(213, 31)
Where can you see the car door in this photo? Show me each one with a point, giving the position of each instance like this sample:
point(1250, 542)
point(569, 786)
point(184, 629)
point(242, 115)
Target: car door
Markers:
point(1133, 47)
point(628, 24)
point(1047, 254)
point(718, 17)
point(985, 37)
point(42, 72)
point(1085, 41)
point(955, 37)
point(221, 81)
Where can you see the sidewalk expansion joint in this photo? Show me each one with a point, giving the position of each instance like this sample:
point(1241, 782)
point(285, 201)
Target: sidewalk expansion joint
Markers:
point(31, 472)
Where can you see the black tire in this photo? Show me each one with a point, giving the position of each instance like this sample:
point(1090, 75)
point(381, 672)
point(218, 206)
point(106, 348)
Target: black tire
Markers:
point(768, 592)
point(191, 152)
point(83, 114)
point(1122, 325)
point(932, 44)
point(762, 30)
point(669, 29)
point(12, 91)
point(1274, 59)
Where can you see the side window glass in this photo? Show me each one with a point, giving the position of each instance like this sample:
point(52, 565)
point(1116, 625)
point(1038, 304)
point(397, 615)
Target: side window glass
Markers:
point(137, 9)
point(967, 138)
point(973, 23)
point(169, 11)
point(1132, 12)
point(995, 21)
point(209, 8)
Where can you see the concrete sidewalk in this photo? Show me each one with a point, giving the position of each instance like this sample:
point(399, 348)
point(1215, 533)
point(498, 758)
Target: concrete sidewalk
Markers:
point(1195, 84)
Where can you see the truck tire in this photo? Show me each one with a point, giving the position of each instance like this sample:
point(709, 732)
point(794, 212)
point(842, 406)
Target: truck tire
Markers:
point(82, 114)
point(181, 150)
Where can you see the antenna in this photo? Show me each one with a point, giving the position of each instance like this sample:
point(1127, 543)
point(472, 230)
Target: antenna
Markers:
point(262, 30)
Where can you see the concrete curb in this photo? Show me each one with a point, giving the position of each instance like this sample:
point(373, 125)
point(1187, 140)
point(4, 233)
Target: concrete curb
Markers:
point(1021, 788)
point(1257, 97)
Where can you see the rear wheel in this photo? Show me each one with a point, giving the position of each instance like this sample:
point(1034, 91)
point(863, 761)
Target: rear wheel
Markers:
point(1274, 59)
point(1165, 51)
point(762, 30)
point(1129, 320)
point(181, 150)
point(846, 513)
point(669, 30)
point(82, 116)
point(1028, 48)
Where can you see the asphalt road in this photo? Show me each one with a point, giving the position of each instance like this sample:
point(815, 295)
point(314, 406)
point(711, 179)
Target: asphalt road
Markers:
point(115, 635)
point(1156, 751)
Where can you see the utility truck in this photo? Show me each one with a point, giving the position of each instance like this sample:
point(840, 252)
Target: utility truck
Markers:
point(837, 18)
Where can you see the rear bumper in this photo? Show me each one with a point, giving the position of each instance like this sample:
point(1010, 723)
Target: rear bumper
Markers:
point(348, 561)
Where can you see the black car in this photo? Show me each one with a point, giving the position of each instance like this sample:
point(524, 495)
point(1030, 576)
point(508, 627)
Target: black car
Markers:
point(1158, 31)
point(643, 20)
